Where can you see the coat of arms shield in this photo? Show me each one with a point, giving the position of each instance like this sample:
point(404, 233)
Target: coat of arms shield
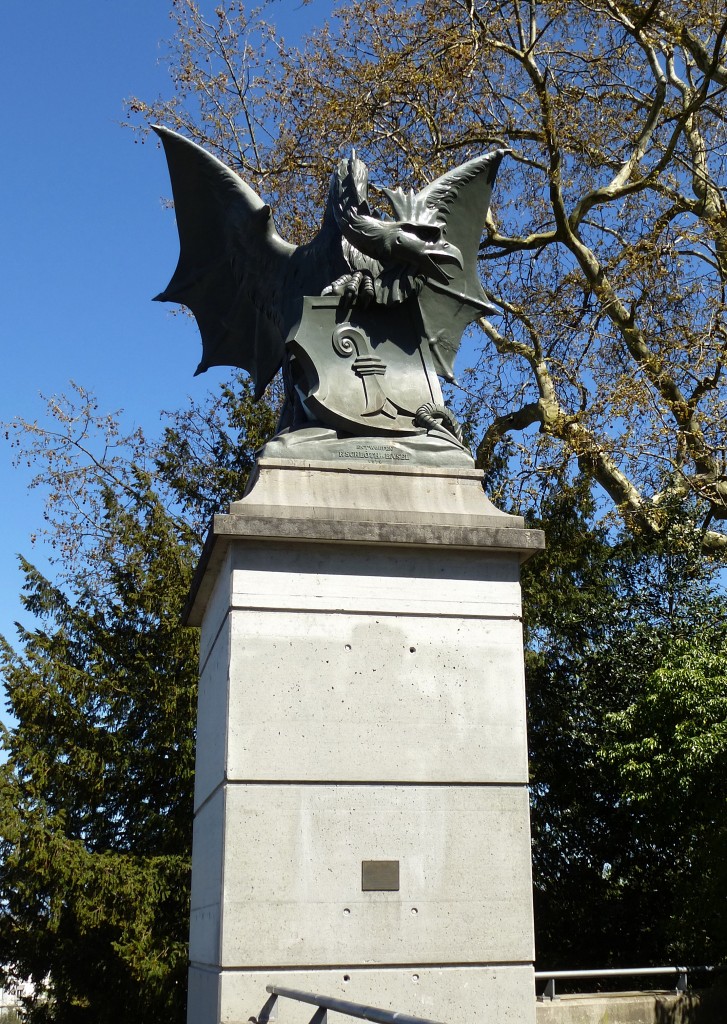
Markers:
point(362, 370)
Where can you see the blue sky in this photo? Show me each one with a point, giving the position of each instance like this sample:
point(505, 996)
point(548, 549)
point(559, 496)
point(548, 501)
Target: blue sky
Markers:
point(86, 241)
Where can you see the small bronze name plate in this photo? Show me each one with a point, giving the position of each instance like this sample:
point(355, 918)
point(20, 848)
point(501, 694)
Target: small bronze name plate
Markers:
point(380, 875)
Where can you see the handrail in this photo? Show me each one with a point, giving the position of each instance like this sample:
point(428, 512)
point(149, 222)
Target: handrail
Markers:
point(613, 972)
point(360, 1010)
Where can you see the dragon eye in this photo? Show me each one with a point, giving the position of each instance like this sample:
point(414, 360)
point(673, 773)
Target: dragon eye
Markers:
point(424, 232)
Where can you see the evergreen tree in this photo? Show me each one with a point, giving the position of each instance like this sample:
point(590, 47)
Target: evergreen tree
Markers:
point(603, 616)
point(96, 791)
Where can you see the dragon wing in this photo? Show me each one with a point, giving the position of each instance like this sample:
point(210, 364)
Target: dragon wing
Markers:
point(232, 263)
point(459, 200)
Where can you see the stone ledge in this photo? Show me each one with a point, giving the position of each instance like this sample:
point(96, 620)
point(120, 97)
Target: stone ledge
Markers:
point(289, 501)
point(402, 530)
point(475, 534)
point(351, 490)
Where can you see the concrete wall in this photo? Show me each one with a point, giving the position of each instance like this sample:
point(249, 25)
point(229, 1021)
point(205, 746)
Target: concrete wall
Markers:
point(362, 708)
point(709, 1007)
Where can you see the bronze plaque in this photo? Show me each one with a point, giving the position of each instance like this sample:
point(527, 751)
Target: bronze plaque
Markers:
point(380, 875)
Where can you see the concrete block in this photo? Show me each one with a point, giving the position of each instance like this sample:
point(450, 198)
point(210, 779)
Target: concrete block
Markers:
point(362, 699)
point(204, 992)
point(207, 881)
point(219, 584)
point(292, 875)
point(401, 698)
point(356, 490)
point(482, 995)
point(708, 1007)
point(359, 579)
point(213, 715)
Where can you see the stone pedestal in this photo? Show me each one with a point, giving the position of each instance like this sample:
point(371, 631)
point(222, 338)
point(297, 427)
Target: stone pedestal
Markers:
point(361, 813)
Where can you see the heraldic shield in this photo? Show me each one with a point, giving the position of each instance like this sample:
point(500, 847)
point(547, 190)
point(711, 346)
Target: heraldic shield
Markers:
point(362, 371)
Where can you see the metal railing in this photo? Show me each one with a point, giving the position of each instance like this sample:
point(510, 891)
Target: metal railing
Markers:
point(325, 1003)
point(378, 1015)
point(682, 976)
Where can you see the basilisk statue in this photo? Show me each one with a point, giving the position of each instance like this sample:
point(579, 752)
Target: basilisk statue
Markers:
point(363, 319)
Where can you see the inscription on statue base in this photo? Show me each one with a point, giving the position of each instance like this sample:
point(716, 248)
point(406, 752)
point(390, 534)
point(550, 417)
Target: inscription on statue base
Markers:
point(371, 452)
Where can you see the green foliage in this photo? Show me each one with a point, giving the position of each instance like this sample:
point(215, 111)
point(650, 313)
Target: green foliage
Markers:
point(96, 792)
point(603, 617)
point(670, 749)
point(205, 459)
point(572, 603)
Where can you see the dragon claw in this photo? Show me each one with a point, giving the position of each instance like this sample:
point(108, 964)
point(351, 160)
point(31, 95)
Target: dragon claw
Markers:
point(356, 289)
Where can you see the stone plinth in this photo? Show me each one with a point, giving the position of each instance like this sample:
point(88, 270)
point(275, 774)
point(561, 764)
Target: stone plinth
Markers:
point(362, 703)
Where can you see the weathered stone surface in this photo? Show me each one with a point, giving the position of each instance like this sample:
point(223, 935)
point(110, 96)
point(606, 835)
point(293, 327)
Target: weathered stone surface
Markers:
point(398, 701)
point(371, 486)
point(378, 506)
point(322, 444)
point(212, 716)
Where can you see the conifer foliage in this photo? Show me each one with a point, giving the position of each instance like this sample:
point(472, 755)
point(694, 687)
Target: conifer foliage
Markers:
point(626, 648)
point(96, 791)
